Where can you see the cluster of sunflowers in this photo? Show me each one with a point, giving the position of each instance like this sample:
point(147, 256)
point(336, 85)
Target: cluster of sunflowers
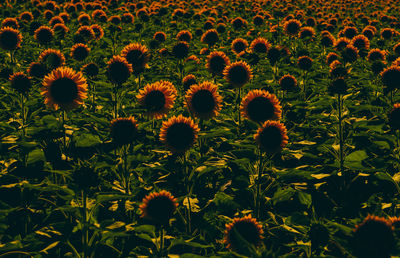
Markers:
point(113, 107)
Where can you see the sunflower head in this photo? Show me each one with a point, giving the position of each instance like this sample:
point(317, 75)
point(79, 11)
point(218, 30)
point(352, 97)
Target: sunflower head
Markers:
point(10, 39)
point(216, 62)
point(394, 117)
point(350, 32)
point(20, 82)
point(307, 33)
point(60, 30)
point(179, 133)
point(242, 230)
point(188, 81)
point(160, 36)
point(137, 55)
point(210, 37)
point(64, 88)
point(44, 35)
point(26, 16)
point(238, 73)
point(239, 45)
point(52, 58)
point(159, 207)
point(288, 82)
point(391, 77)
point(184, 35)
point(304, 63)
point(387, 33)
point(118, 70)
point(123, 130)
point(86, 33)
point(180, 50)
point(331, 57)
point(90, 69)
point(361, 42)
point(376, 55)
point(203, 100)
point(373, 238)
point(342, 43)
point(292, 27)
point(10, 22)
point(271, 137)
point(260, 106)
point(37, 70)
point(80, 51)
point(260, 45)
point(338, 86)
point(157, 98)
point(98, 31)
point(258, 20)
point(328, 40)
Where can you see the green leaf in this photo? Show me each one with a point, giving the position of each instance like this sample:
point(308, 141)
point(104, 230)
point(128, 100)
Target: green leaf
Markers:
point(87, 140)
point(36, 156)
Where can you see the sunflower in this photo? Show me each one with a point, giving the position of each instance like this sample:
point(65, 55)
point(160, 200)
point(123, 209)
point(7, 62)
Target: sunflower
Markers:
point(123, 130)
point(118, 70)
point(80, 51)
point(90, 69)
point(238, 73)
point(184, 35)
point(157, 98)
point(210, 37)
point(260, 45)
point(51, 58)
point(44, 35)
point(179, 133)
point(331, 57)
point(10, 22)
point(36, 70)
point(258, 20)
point(342, 43)
point(238, 23)
point(242, 230)
point(10, 39)
point(376, 55)
point(203, 100)
point(216, 62)
point(98, 31)
point(260, 106)
point(304, 63)
point(361, 42)
point(394, 117)
point(180, 50)
point(60, 30)
point(86, 33)
point(64, 88)
point(20, 82)
point(137, 55)
point(328, 40)
point(374, 238)
point(350, 32)
point(292, 27)
point(160, 36)
point(387, 33)
point(307, 33)
point(159, 207)
point(188, 81)
point(391, 77)
point(26, 16)
point(271, 137)
point(56, 20)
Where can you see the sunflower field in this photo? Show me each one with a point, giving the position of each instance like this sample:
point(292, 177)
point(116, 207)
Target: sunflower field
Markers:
point(188, 128)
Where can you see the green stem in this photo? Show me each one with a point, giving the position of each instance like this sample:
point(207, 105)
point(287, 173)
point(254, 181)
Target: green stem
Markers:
point(85, 233)
point(64, 131)
point(340, 106)
point(258, 185)
point(23, 115)
point(187, 183)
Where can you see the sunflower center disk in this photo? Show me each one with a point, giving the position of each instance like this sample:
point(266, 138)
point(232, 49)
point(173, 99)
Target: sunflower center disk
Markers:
point(63, 90)
point(260, 109)
point(217, 64)
point(180, 136)
point(271, 138)
point(203, 101)
point(160, 208)
point(154, 101)
point(238, 75)
point(247, 231)
point(135, 58)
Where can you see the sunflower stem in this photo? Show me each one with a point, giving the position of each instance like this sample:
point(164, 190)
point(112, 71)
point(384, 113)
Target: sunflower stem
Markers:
point(85, 233)
point(258, 185)
point(64, 131)
point(126, 171)
point(186, 174)
point(239, 93)
point(23, 116)
point(340, 118)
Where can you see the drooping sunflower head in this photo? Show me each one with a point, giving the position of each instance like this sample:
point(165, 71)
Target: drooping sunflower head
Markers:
point(238, 73)
point(80, 51)
point(210, 37)
point(342, 43)
point(373, 238)
point(159, 207)
point(20, 82)
point(98, 31)
point(203, 100)
point(180, 50)
point(44, 35)
point(260, 106)
point(157, 98)
point(179, 133)
point(60, 30)
point(328, 40)
point(51, 58)
point(64, 88)
point(10, 22)
point(361, 42)
point(260, 45)
point(137, 55)
point(10, 39)
point(376, 55)
point(271, 137)
point(292, 27)
point(394, 117)
point(118, 70)
point(123, 130)
point(216, 62)
point(86, 33)
point(160, 36)
point(331, 57)
point(26, 16)
point(391, 77)
point(307, 33)
point(242, 230)
point(239, 45)
point(188, 81)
